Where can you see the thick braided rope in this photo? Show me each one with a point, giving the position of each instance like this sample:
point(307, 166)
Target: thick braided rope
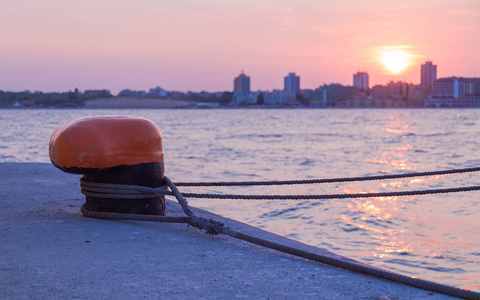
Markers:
point(124, 191)
point(332, 196)
point(355, 267)
point(135, 217)
point(214, 227)
point(120, 191)
point(330, 180)
point(201, 223)
point(115, 191)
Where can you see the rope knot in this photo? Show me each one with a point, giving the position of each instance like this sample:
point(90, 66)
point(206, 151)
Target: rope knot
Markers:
point(211, 226)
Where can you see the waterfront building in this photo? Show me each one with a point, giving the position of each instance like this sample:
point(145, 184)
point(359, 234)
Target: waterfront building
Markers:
point(360, 80)
point(417, 95)
point(470, 87)
point(379, 92)
point(428, 74)
point(158, 92)
point(319, 97)
point(280, 98)
point(333, 94)
point(292, 83)
point(457, 87)
point(446, 87)
point(455, 91)
point(132, 93)
point(393, 90)
point(241, 89)
point(397, 90)
point(394, 94)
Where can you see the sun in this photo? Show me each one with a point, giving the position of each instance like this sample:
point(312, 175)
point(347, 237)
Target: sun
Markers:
point(395, 60)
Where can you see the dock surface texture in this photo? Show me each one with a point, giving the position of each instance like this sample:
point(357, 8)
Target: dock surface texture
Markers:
point(48, 250)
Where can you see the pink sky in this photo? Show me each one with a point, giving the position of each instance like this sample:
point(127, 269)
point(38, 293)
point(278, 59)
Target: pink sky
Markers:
point(58, 45)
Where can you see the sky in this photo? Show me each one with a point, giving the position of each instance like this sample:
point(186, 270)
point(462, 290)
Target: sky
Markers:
point(201, 45)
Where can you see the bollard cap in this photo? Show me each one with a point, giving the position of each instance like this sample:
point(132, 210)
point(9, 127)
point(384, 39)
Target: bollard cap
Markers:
point(102, 142)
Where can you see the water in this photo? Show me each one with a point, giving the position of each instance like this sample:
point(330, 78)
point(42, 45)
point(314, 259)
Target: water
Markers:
point(435, 237)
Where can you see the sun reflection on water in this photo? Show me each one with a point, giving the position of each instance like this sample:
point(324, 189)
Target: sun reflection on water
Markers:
point(409, 235)
point(376, 214)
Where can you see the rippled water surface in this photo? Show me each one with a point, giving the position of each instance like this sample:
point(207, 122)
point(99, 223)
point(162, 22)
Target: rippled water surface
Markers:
point(436, 237)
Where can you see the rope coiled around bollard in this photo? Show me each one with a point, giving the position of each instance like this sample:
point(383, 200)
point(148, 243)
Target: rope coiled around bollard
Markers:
point(215, 227)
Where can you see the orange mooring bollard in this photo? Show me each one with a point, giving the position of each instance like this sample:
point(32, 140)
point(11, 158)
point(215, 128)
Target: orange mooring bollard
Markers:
point(112, 149)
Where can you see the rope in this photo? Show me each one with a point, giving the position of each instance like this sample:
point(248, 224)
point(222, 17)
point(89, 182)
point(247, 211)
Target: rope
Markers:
point(332, 196)
point(120, 191)
point(134, 217)
point(124, 191)
point(211, 226)
point(329, 180)
point(215, 227)
point(357, 268)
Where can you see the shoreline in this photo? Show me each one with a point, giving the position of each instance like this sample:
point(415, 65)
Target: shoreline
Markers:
point(136, 103)
point(159, 103)
point(152, 103)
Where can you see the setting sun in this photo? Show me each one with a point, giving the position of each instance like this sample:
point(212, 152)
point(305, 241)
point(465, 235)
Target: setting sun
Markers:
point(395, 60)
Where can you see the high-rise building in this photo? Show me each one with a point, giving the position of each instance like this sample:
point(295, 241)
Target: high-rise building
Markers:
point(241, 89)
point(241, 84)
point(360, 80)
point(428, 74)
point(292, 83)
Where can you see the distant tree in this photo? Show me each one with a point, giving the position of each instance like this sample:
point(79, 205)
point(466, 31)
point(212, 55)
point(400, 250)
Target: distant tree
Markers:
point(227, 97)
point(72, 96)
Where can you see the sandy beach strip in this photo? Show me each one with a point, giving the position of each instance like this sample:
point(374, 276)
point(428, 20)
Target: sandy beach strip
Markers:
point(131, 102)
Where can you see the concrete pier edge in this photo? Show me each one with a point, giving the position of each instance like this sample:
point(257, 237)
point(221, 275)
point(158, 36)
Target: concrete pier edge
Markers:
point(49, 250)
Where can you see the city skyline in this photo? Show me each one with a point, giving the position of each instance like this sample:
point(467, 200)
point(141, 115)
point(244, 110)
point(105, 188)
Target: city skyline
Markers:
point(185, 45)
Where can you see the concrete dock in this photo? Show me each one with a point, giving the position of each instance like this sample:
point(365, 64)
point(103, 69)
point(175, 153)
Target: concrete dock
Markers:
point(48, 250)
